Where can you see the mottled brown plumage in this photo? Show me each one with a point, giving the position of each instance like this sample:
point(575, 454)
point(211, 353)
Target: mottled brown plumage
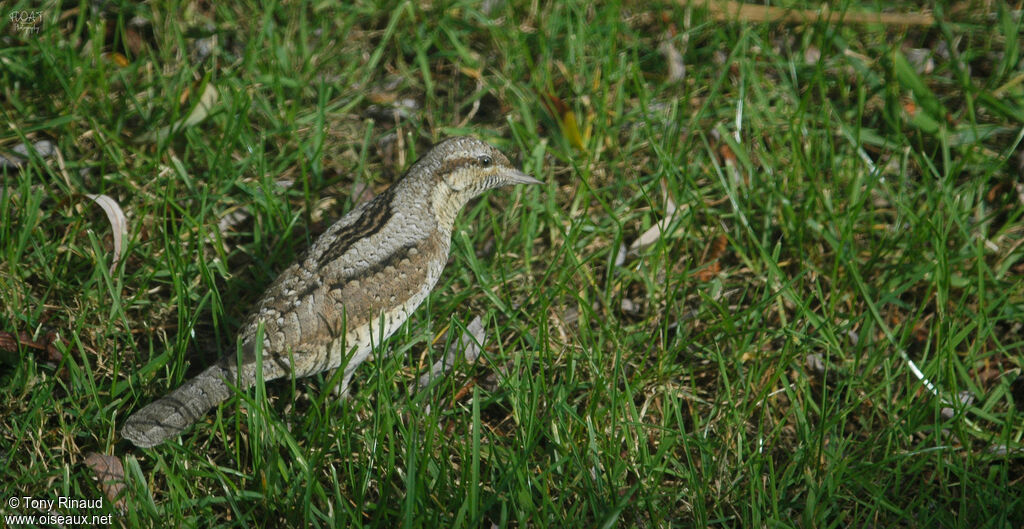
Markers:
point(373, 266)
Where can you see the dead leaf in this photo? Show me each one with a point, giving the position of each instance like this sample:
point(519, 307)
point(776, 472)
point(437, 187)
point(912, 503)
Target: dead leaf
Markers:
point(566, 118)
point(475, 73)
point(921, 60)
point(202, 109)
point(812, 55)
point(110, 473)
point(725, 154)
point(674, 59)
point(362, 192)
point(120, 60)
point(910, 107)
point(133, 39)
point(232, 218)
point(571, 129)
point(10, 342)
point(655, 232)
point(207, 101)
point(711, 262)
point(709, 272)
point(815, 363)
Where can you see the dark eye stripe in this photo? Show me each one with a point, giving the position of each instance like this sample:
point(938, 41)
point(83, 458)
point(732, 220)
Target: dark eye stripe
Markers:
point(449, 166)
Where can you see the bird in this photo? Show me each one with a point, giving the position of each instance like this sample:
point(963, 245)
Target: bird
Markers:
point(354, 287)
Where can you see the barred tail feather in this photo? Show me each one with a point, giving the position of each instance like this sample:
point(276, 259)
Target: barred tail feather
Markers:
point(172, 414)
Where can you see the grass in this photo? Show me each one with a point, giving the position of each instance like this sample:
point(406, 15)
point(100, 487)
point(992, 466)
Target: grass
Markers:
point(833, 207)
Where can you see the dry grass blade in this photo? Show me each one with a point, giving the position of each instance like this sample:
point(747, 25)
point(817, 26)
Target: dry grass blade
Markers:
point(118, 224)
point(738, 11)
point(655, 232)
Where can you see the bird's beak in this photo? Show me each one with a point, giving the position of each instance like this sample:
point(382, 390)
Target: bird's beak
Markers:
point(518, 177)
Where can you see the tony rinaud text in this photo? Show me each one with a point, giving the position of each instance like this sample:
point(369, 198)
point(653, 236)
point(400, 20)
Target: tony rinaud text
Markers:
point(62, 502)
point(51, 517)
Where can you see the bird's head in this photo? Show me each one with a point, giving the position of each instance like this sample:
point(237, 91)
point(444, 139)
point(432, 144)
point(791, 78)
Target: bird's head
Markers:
point(462, 168)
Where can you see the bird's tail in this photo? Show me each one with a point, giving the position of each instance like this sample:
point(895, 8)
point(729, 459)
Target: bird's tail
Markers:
point(177, 411)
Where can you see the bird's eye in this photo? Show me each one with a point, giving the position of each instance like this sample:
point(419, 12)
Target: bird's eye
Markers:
point(485, 161)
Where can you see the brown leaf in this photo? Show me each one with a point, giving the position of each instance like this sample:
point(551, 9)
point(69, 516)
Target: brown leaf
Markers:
point(995, 191)
point(110, 473)
point(8, 342)
point(910, 107)
point(120, 60)
point(134, 41)
point(709, 272)
point(718, 247)
point(726, 154)
point(714, 251)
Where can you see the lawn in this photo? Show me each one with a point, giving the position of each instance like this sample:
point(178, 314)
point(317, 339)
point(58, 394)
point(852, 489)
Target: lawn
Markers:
point(772, 277)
